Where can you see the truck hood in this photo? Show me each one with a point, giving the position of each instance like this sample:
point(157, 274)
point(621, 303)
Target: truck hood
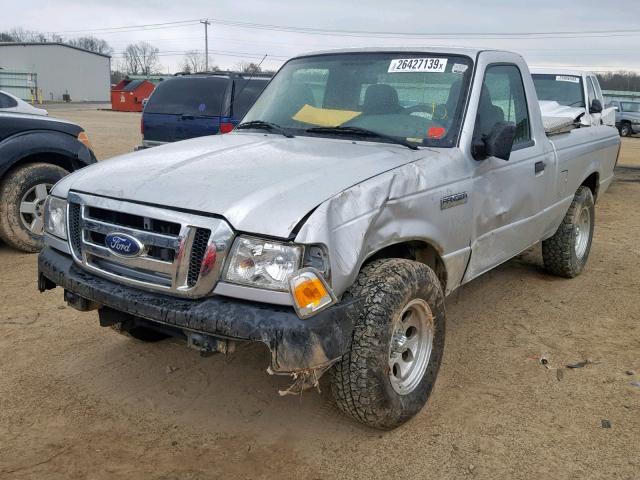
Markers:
point(263, 184)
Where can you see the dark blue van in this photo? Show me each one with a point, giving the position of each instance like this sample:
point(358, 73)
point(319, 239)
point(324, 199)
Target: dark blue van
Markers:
point(189, 106)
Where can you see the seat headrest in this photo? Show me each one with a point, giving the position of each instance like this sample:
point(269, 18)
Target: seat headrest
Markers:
point(380, 99)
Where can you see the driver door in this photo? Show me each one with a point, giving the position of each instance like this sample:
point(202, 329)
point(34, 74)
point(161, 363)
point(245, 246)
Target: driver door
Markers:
point(507, 195)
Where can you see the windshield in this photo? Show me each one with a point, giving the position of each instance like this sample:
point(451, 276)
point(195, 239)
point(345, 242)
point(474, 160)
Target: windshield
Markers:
point(198, 96)
point(630, 106)
point(414, 97)
point(564, 89)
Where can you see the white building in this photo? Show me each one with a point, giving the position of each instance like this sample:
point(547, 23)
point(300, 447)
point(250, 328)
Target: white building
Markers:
point(59, 70)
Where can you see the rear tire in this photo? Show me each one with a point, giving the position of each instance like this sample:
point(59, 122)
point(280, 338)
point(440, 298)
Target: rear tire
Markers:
point(384, 380)
point(22, 195)
point(566, 253)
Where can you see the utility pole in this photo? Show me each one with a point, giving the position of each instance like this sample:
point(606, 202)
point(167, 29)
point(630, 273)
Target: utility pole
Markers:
point(206, 24)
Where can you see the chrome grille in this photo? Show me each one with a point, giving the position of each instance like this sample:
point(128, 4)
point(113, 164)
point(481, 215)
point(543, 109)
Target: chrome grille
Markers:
point(198, 249)
point(74, 228)
point(175, 255)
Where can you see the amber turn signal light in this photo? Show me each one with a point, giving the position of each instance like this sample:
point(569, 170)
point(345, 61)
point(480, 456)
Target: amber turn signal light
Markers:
point(84, 139)
point(310, 292)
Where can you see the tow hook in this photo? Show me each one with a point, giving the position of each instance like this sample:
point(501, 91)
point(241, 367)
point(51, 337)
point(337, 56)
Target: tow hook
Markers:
point(208, 345)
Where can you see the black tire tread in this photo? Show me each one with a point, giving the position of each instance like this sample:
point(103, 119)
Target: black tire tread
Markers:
point(356, 390)
point(558, 252)
point(12, 231)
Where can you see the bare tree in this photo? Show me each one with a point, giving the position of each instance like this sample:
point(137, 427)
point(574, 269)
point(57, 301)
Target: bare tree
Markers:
point(19, 34)
point(249, 67)
point(194, 61)
point(623, 80)
point(92, 44)
point(141, 59)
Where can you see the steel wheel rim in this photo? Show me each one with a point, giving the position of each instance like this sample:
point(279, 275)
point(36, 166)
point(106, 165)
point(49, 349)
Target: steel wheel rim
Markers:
point(411, 346)
point(583, 231)
point(32, 207)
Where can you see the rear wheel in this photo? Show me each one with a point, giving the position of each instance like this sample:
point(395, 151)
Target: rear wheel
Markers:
point(398, 341)
point(566, 253)
point(22, 195)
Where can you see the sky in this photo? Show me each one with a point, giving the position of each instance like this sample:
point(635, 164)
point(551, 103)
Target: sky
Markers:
point(588, 34)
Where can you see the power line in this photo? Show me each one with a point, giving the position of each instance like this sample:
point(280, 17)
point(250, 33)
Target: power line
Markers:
point(368, 34)
point(384, 34)
point(128, 27)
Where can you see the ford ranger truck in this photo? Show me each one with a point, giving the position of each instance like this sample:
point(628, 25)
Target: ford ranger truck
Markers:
point(573, 89)
point(361, 189)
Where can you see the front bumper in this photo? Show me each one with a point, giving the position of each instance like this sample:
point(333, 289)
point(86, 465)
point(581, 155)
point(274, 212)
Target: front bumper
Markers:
point(295, 344)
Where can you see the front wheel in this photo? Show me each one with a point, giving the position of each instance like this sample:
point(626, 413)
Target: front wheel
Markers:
point(625, 130)
point(566, 253)
point(397, 345)
point(22, 195)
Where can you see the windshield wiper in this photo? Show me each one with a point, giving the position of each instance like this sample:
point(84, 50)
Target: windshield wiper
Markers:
point(360, 132)
point(262, 125)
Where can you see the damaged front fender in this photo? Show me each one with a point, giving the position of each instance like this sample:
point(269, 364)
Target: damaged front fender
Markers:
point(401, 205)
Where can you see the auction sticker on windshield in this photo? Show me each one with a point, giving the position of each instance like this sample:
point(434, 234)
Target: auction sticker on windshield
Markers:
point(567, 78)
point(417, 65)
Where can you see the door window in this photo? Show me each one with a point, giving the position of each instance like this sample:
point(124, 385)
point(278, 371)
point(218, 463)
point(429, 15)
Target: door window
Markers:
point(591, 92)
point(596, 86)
point(503, 99)
point(7, 102)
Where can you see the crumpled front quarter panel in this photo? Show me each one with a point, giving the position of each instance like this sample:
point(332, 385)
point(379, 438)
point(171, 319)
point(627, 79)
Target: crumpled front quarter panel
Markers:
point(400, 205)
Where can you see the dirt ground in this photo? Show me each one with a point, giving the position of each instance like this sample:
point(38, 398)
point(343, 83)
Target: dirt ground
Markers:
point(78, 401)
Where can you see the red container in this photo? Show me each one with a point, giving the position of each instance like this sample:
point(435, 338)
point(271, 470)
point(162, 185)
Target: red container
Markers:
point(127, 96)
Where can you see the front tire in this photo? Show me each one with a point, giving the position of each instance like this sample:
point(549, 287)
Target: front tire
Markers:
point(566, 253)
point(625, 130)
point(22, 195)
point(397, 345)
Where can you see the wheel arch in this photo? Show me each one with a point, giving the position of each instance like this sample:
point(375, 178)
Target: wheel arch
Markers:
point(54, 148)
point(419, 250)
point(593, 183)
point(53, 158)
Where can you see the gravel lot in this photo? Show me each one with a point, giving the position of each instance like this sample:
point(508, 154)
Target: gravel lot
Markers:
point(78, 401)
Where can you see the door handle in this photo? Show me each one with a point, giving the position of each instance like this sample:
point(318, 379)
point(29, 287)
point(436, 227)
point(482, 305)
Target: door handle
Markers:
point(539, 167)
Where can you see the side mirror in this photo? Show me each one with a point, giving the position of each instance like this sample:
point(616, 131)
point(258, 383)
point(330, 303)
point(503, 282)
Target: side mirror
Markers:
point(497, 144)
point(596, 106)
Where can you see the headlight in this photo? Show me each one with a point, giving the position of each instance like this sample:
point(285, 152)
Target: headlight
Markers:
point(55, 217)
point(262, 263)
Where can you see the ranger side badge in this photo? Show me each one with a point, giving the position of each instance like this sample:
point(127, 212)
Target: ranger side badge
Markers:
point(453, 200)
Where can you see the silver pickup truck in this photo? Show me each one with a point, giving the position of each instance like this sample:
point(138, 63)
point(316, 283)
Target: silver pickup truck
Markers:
point(361, 189)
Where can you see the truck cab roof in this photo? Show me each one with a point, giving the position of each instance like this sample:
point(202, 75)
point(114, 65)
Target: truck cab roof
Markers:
point(469, 52)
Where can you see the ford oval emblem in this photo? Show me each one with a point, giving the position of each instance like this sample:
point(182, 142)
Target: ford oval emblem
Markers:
point(123, 245)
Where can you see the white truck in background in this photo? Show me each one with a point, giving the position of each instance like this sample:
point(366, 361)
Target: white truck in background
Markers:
point(572, 93)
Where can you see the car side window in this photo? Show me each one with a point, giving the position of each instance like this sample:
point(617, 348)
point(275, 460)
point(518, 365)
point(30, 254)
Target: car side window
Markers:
point(596, 86)
point(7, 102)
point(591, 92)
point(503, 99)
